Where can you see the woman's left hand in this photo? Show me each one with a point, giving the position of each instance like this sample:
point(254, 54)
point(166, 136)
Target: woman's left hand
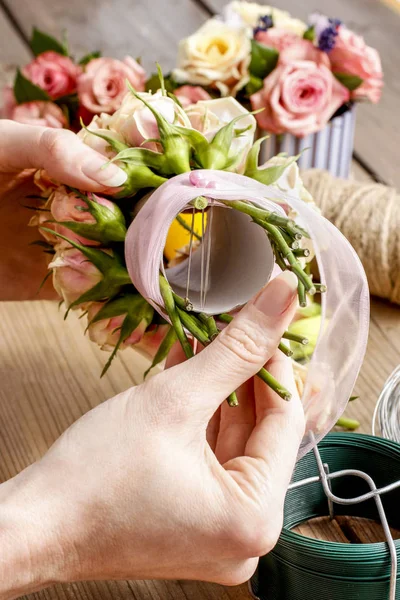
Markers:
point(24, 149)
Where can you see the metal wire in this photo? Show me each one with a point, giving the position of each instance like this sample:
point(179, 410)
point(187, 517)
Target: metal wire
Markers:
point(387, 409)
point(325, 478)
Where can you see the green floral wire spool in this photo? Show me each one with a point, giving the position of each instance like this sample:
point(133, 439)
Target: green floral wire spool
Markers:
point(300, 567)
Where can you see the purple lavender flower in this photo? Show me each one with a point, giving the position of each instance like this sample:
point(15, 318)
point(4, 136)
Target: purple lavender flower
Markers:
point(264, 23)
point(326, 31)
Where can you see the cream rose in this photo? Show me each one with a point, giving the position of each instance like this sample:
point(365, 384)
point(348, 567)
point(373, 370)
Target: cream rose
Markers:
point(99, 124)
point(250, 12)
point(208, 116)
point(135, 123)
point(217, 55)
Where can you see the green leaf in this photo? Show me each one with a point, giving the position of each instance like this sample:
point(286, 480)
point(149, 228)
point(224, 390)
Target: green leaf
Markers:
point(88, 57)
point(153, 83)
point(252, 157)
point(263, 59)
point(351, 82)
point(309, 33)
point(26, 91)
point(163, 350)
point(254, 84)
point(115, 144)
point(42, 42)
point(269, 175)
point(137, 311)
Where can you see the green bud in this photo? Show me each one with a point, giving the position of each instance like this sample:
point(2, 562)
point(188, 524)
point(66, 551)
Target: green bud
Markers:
point(138, 313)
point(216, 154)
point(139, 177)
point(268, 175)
point(109, 226)
point(177, 148)
point(114, 273)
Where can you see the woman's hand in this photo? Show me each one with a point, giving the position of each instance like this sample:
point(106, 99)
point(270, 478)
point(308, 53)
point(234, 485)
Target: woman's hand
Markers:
point(133, 489)
point(23, 149)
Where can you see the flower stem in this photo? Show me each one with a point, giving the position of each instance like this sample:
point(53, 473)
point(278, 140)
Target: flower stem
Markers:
point(261, 214)
point(210, 324)
point(350, 424)
point(294, 337)
point(285, 349)
point(302, 252)
point(193, 325)
point(274, 384)
point(232, 399)
point(302, 295)
point(287, 253)
point(225, 318)
point(187, 227)
point(170, 308)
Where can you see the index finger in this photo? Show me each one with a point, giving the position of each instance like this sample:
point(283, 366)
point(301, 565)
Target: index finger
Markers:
point(60, 152)
point(276, 438)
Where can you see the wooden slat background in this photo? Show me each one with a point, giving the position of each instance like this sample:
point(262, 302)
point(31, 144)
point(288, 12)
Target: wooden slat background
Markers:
point(48, 369)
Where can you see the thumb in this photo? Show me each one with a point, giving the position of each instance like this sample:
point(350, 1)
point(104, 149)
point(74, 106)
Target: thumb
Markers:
point(64, 156)
point(238, 352)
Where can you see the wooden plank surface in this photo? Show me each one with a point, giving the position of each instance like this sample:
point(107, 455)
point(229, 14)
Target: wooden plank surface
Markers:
point(378, 127)
point(13, 51)
point(150, 30)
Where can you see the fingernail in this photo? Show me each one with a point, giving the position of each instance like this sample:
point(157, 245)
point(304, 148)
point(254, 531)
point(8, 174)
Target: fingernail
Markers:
point(276, 297)
point(109, 176)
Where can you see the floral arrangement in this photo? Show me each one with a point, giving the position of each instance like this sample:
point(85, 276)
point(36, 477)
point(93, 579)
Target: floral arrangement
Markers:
point(54, 90)
point(199, 226)
point(97, 269)
point(297, 75)
point(300, 74)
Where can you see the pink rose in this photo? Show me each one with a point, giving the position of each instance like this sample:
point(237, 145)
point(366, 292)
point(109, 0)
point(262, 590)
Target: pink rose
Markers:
point(106, 332)
point(298, 98)
point(190, 94)
point(45, 183)
point(73, 274)
point(102, 86)
point(277, 38)
point(351, 55)
point(67, 206)
point(303, 50)
point(46, 114)
point(54, 73)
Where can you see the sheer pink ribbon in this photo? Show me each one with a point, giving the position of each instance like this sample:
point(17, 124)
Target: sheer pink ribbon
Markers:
point(345, 307)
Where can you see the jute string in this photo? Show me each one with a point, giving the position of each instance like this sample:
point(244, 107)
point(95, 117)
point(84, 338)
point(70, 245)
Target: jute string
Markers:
point(368, 215)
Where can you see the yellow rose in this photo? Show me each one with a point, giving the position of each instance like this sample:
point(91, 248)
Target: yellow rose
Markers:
point(250, 12)
point(217, 55)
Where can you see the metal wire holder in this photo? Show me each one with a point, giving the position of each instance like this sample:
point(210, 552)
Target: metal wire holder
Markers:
point(325, 477)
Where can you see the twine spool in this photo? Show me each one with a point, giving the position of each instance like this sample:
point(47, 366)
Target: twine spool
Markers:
point(301, 567)
point(368, 215)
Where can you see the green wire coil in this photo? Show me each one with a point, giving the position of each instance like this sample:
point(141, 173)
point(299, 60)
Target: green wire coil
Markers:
point(301, 568)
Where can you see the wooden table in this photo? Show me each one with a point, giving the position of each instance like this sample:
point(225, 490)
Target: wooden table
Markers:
point(48, 369)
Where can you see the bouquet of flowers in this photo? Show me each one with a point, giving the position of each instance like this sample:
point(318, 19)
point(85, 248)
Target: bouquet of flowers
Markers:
point(300, 74)
point(195, 231)
point(199, 226)
point(54, 90)
point(154, 139)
